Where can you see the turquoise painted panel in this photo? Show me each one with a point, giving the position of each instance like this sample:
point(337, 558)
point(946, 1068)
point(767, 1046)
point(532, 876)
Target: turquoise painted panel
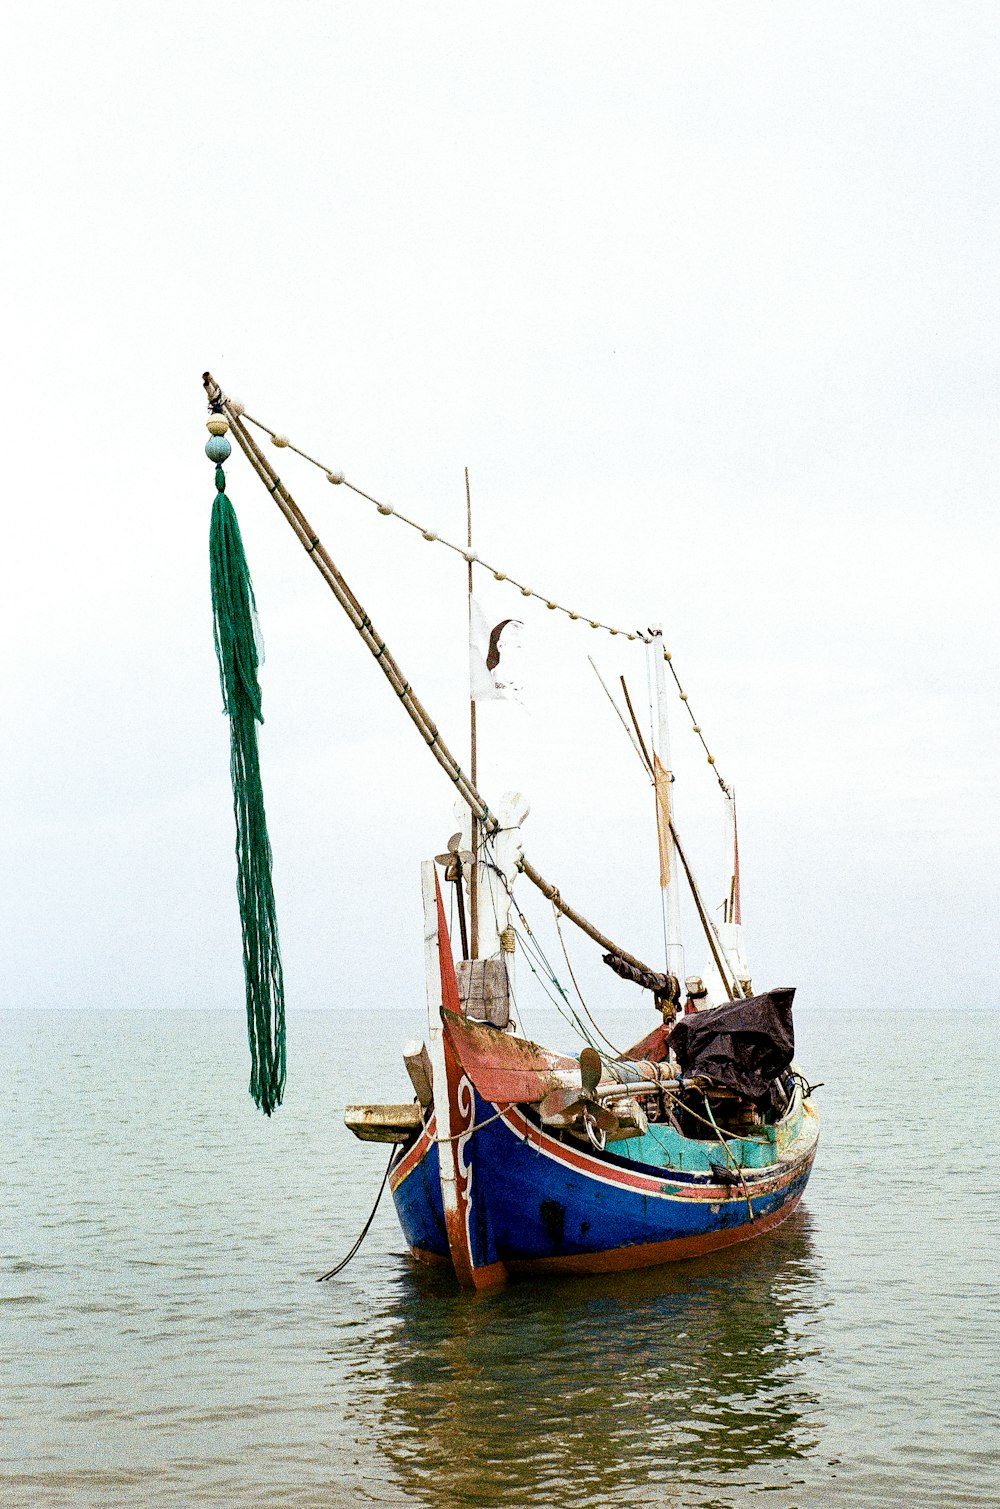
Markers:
point(663, 1147)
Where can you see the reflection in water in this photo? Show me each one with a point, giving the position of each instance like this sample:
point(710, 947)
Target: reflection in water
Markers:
point(643, 1387)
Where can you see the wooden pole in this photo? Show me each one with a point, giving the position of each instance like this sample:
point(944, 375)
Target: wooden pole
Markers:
point(460, 898)
point(473, 760)
point(386, 662)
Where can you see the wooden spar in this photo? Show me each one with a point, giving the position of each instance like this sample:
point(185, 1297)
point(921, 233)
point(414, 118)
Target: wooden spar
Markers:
point(338, 586)
point(313, 547)
point(473, 752)
point(643, 758)
point(735, 912)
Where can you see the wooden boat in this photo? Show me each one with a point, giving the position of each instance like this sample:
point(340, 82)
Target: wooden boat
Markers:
point(512, 1158)
point(523, 1164)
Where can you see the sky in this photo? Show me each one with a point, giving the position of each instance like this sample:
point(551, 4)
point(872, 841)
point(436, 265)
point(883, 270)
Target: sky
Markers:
point(704, 296)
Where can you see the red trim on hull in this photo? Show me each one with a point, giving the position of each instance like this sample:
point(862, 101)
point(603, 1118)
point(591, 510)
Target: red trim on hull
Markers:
point(505, 1069)
point(413, 1155)
point(760, 1181)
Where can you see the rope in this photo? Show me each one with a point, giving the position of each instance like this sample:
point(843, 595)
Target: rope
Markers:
point(560, 1001)
point(455, 1136)
point(579, 992)
point(387, 510)
point(569, 1015)
point(234, 612)
point(726, 1149)
point(365, 1228)
point(734, 1136)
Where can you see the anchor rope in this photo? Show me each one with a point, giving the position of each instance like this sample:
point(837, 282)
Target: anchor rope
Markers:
point(365, 1228)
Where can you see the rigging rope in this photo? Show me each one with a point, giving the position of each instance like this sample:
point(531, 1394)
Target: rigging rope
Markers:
point(616, 1051)
point(531, 947)
point(365, 1228)
point(234, 620)
point(569, 1015)
point(473, 559)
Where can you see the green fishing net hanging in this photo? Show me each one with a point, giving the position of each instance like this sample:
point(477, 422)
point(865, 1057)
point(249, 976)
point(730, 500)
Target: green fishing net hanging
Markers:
point(237, 648)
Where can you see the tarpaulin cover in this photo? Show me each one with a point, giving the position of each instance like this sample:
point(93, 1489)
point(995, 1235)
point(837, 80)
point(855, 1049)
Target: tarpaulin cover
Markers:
point(742, 1046)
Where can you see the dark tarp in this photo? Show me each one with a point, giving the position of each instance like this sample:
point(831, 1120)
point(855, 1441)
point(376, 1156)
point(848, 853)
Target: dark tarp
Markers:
point(742, 1046)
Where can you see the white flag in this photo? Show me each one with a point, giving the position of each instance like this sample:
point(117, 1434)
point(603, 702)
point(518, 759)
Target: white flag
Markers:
point(494, 656)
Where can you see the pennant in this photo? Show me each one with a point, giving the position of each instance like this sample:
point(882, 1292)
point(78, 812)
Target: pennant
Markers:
point(494, 653)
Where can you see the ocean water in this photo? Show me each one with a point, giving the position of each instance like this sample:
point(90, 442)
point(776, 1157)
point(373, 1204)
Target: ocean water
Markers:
point(163, 1340)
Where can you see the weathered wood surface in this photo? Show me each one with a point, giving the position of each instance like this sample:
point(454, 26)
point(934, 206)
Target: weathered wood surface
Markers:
point(505, 1069)
point(418, 1067)
point(483, 990)
point(383, 1123)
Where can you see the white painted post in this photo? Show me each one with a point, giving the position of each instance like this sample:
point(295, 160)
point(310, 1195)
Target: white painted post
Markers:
point(435, 1036)
point(670, 896)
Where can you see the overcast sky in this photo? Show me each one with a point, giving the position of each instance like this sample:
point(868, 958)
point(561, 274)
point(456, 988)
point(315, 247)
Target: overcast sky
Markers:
point(704, 295)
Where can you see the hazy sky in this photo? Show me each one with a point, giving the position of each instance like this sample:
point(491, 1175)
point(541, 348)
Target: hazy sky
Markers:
point(705, 296)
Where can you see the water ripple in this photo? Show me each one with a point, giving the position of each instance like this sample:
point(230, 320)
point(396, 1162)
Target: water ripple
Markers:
point(163, 1341)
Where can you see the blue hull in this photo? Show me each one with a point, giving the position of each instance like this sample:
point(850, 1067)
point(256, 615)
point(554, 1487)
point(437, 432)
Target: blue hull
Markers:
point(536, 1201)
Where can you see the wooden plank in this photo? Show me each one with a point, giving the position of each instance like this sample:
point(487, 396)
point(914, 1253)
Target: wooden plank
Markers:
point(483, 990)
point(383, 1123)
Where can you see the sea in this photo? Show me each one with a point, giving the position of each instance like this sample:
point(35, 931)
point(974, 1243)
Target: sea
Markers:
point(164, 1340)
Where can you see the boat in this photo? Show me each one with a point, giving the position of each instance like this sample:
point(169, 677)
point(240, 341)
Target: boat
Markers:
point(510, 1158)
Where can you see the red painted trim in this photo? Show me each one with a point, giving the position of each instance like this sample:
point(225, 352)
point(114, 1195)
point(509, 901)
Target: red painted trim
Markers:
point(490, 1276)
point(414, 1155)
point(506, 1070)
point(759, 1181)
point(449, 983)
point(482, 1278)
point(457, 1211)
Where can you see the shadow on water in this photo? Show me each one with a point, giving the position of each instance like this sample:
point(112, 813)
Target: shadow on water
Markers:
point(685, 1381)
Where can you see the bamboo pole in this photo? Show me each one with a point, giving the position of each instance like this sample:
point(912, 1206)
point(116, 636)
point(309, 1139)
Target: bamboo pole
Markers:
point(317, 553)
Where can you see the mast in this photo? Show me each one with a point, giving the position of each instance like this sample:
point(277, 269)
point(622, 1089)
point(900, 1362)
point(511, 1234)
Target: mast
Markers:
point(473, 752)
point(663, 779)
point(733, 911)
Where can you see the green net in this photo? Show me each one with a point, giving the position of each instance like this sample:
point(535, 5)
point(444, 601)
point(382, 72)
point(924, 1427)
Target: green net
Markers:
point(236, 645)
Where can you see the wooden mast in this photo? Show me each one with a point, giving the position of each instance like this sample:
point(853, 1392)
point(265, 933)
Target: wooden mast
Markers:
point(387, 663)
point(473, 753)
